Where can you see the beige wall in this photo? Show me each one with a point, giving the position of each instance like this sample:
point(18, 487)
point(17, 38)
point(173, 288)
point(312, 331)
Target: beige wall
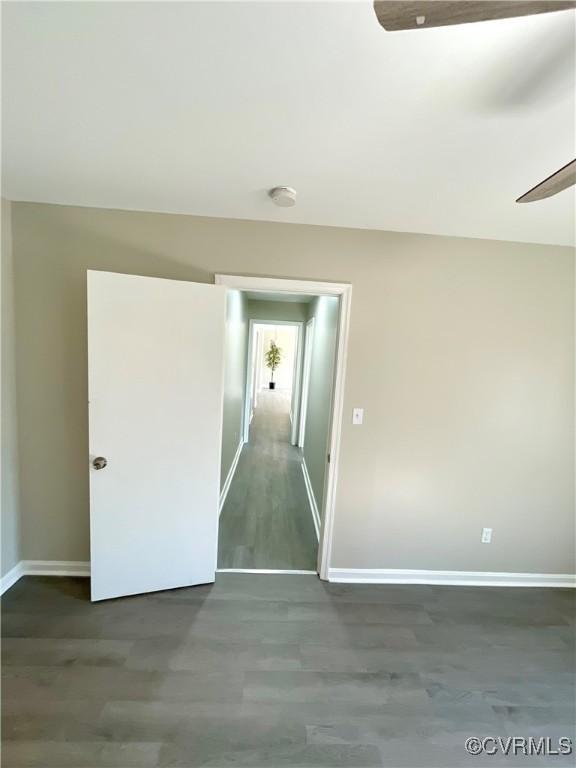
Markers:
point(325, 311)
point(461, 352)
point(234, 378)
point(10, 489)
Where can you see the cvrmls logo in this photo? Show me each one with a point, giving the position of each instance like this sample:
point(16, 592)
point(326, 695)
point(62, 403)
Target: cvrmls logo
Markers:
point(519, 745)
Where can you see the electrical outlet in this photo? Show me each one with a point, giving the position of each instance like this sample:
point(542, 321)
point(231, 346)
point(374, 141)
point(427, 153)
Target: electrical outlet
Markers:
point(486, 536)
point(357, 415)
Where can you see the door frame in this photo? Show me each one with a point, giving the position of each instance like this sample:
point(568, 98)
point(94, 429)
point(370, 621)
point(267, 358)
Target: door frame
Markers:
point(296, 376)
point(314, 288)
point(306, 365)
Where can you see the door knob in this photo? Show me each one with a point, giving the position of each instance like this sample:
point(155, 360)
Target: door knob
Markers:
point(99, 462)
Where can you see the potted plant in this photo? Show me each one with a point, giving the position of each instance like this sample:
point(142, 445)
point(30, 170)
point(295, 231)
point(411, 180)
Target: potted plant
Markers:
point(273, 359)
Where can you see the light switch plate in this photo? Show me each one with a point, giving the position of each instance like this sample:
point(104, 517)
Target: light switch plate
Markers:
point(357, 415)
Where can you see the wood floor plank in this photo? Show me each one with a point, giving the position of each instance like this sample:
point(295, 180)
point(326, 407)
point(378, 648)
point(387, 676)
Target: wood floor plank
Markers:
point(271, 671)
point(266, 522)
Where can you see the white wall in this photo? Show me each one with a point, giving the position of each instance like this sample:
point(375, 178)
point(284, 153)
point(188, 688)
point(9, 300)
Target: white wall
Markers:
point(9, 470)
point(461, 353)
point(234, 378)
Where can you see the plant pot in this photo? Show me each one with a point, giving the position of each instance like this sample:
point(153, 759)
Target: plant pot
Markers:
point(272, 385)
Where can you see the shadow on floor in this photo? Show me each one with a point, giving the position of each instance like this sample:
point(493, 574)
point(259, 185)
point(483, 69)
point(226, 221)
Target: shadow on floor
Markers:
point(265, 670)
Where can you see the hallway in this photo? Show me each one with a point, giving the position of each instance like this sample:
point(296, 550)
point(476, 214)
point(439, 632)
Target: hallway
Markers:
point(266, 522)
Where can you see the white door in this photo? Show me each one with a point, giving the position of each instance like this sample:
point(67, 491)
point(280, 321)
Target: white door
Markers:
point(155, 377)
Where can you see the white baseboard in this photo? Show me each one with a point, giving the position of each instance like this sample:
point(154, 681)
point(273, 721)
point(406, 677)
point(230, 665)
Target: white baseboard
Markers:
point(340, 575)
point(263, 570)
point(455, 578)
point(56, 568)
point(10, 578)
point(232, 470)
point(44, 568)
point(311, 498)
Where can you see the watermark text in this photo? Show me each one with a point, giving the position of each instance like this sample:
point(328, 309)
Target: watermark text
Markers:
point(518, 745)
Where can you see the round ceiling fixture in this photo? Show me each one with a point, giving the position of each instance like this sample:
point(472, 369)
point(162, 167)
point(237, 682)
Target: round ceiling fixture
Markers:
point(285, 197)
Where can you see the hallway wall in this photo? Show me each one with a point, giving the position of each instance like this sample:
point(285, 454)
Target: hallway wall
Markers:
point(324, 310)
point(292, 311)
point(236, 340)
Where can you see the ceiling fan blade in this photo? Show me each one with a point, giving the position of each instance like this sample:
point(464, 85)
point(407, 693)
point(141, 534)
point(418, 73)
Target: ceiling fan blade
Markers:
point(396, 15)
point(562, 179)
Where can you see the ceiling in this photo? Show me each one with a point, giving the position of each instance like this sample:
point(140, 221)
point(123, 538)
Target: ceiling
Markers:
point(199, 108)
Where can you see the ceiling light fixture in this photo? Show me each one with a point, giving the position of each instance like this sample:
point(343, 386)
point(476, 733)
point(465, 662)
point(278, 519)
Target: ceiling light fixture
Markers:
point(285, 197)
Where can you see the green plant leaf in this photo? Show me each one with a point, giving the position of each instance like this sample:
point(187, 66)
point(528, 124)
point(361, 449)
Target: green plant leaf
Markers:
point(273, 356)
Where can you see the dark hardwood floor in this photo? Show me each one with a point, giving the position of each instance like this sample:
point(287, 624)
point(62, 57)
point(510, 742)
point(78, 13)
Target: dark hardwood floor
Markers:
point(266, 521)
point(271, 671)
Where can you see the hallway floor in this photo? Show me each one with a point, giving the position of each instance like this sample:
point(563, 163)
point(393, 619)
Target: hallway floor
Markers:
point(266, 521)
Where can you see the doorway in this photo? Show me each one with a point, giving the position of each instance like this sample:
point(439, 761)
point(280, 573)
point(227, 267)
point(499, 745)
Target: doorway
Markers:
point(169, 506)
point(278, 495)
point(266, 522)
point(288, 336)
